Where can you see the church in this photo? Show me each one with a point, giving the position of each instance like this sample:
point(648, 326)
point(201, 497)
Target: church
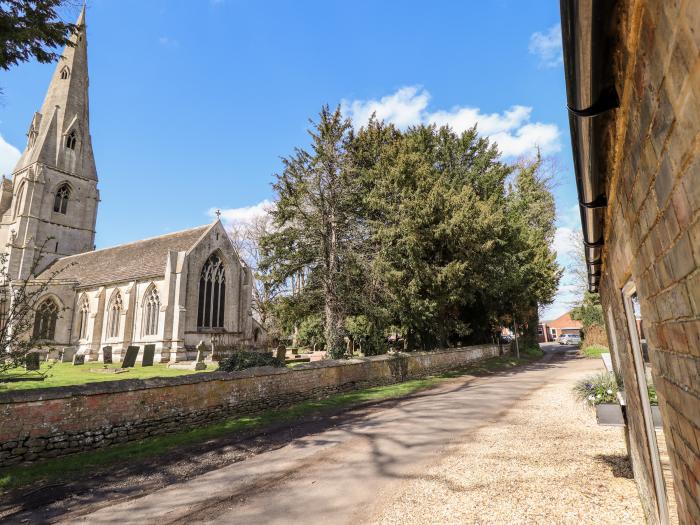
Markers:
point(171, 291)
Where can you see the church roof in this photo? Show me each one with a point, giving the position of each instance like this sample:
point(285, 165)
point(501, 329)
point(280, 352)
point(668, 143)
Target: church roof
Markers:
point(126, 262)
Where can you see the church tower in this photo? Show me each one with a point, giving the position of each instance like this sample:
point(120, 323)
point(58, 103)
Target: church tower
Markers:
point(49, 208)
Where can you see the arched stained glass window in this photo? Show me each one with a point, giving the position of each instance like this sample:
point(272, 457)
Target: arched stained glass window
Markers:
point(115, 314)
point(212, 294)
point(45, 320)
point(84, 313)
point(151, 309)
point(60, 201)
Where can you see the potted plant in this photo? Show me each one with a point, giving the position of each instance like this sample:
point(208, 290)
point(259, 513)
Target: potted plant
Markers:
point(600, 391)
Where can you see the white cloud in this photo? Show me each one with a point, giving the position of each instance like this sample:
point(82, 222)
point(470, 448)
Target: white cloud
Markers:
point(404, 108)
point(512, 129)
point(168, 42)
point(244, 214)
point(547, 46)
point(9, 155)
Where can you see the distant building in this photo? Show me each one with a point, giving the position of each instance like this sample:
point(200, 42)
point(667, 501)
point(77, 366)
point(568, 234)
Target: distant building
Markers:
point(169, 291)
point(549, 331)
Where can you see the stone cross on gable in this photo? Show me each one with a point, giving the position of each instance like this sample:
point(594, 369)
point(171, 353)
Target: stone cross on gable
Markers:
point(218, 213)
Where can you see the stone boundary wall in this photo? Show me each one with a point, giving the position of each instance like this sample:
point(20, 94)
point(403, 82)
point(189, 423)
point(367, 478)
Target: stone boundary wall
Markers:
point(49, 422)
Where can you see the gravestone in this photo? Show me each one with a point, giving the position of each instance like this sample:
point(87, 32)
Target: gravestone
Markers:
point(32, 361)
point(68, 353)
point(201, 351)
point(53, 355)
point(79, 359)
point(281, 352)
point(130, 358)
point(148, 352)
point(107, 355)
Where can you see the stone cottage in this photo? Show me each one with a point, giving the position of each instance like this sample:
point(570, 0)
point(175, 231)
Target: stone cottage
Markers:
point(170, 291)
point(633, 85)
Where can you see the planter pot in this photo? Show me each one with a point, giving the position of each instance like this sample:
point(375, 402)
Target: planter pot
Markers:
point(609, 414)
point(656, 416)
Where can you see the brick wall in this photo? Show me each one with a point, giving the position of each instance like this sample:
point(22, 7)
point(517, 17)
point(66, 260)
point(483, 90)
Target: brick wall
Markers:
point(653, 229)
point(50, 422)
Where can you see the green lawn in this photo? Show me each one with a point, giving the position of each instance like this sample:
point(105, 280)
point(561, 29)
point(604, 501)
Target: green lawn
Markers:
point(64, 374)
point(595, 350)
point(68, 467)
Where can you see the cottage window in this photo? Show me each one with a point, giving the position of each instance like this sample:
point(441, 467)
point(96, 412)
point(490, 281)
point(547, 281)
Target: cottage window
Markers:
point(45, 320)
point(212, 294)
point(151, 307)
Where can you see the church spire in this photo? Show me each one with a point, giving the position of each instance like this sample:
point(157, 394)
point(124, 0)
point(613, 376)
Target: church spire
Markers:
point(59, 134)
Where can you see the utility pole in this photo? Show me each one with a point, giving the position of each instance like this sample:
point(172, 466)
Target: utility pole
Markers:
point(515, 331)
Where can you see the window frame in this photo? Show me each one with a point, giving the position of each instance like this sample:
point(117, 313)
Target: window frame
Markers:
point(61, 198)
point(150, 311)
point(114, 313)
point(211, 296)
point(45, 322)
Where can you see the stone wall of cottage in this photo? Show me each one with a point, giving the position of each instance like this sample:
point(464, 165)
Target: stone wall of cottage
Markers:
point(652, 231)
point(51, 422)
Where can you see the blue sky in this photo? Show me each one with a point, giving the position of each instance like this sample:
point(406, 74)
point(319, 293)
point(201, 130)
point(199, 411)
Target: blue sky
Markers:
point(194, 102)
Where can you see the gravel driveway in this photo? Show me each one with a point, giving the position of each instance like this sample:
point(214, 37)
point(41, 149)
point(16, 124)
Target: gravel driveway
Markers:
point(546, 461)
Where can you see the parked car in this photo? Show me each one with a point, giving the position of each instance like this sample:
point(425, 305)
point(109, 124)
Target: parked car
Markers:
point(569, 339)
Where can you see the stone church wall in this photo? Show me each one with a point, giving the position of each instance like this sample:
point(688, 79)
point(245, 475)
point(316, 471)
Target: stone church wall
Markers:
point(45, 423)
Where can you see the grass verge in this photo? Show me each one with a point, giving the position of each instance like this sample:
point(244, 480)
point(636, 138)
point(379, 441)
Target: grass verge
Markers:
point(65, 374)
point(595, 351)
point(68, 467)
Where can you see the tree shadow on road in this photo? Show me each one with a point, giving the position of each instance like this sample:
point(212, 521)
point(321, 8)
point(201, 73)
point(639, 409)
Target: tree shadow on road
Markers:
point(130, 479)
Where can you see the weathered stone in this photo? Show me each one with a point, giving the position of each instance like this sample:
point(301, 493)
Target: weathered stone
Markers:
point(79, 359)
point(32, 361)
point(129, 360)
point(107, 355)
point(149, 352)
point(68, 353)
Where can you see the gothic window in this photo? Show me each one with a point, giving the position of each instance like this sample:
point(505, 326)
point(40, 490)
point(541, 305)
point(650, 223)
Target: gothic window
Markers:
point(60, 201)
point(151, 309)
point(84, 313)
point(65, 72)
point(45, 320)
point(114, 316)
point(71, 140)
point(212, 294)
point(20, 198)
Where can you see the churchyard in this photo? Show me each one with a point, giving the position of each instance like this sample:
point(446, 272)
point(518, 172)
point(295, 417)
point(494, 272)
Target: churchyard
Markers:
point(66, 374)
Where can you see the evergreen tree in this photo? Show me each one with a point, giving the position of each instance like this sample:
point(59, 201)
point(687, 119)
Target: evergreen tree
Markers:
point(534, 274)
point(436, 211)
point(315, 228)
